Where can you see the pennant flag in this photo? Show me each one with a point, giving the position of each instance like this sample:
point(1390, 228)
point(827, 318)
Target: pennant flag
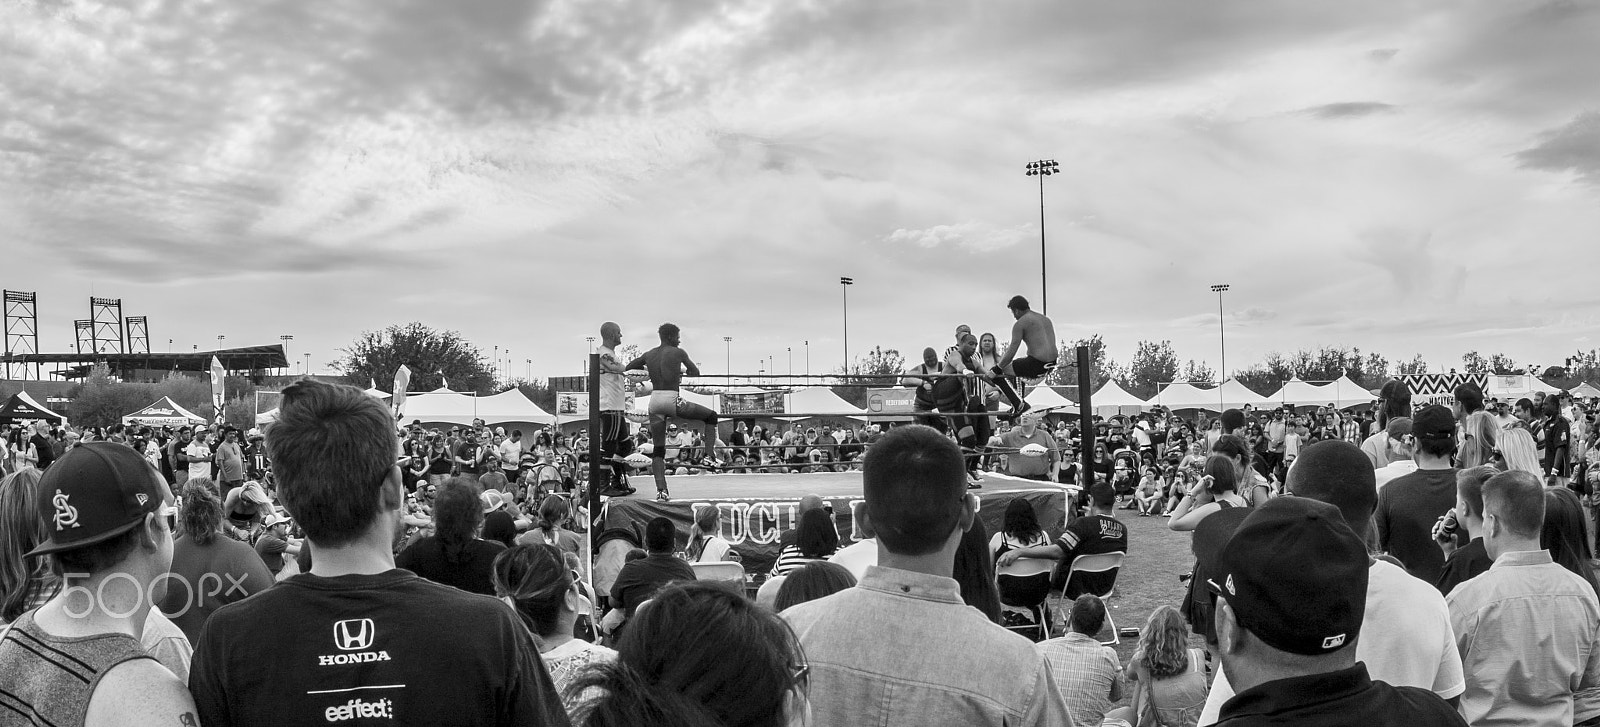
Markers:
point(372, 383)
point(219, 397)
point(446, 382)
point(402, 379)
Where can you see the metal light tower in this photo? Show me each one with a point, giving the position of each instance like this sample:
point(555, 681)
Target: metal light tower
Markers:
point(727, 354)
point(844, 289)
point(286, 339)
point(1041, 169)
point(808, 357)
point(1222, 338)
point(790, 350)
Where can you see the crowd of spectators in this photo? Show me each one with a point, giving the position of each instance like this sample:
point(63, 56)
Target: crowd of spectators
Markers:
point(1433, 566)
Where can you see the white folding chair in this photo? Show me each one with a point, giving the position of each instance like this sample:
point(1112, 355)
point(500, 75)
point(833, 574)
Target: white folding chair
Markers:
point(1025, 586)
point(726, 570)
point(1100, 563)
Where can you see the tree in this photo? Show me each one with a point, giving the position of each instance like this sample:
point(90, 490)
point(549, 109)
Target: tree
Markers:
point(1415, 366)
point(1153, 363)
point(878, 366)
point(1198, 371)
point(433, 356)
point(1066, 372)
point(1375, 373)
point(1499, 364)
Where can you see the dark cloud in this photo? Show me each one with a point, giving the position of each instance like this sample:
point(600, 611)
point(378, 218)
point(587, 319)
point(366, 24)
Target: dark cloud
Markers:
point(1350, 109)
point(1515, 59)
point(1382, 55)
point(1574, 147)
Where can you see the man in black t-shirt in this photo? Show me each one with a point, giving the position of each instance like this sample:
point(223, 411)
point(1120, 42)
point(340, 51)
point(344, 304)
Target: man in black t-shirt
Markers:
point(1408, 506)
point(1097, 533)
point(639, 580)
point(356, 640)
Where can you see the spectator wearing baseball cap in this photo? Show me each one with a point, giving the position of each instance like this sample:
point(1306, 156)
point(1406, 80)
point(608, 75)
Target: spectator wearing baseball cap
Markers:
point(1394, 400)
point(1398, 448)
point(1405, 635)
point(1528, 628)
point(1409, 505)
point(1292, 587)
point(77, 659)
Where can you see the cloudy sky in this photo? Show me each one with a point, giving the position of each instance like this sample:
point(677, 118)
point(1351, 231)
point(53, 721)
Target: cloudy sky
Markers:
point(1401, 176)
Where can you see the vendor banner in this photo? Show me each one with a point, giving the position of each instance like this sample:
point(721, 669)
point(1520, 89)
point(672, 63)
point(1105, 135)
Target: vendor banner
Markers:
point(219, 397)
point(402, 381)
point(765, 402)
point(892, 401)
point(753, 525)
point(1440, 388)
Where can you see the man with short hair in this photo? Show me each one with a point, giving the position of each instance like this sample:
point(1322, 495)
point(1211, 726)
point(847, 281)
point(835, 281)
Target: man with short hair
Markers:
point(509, 454)
point(1528, 629)
point(197, 453)
point(467, 456)
point(615, 442)
point(1291, 584)
point(923, 377)
point(1039, 333)
point(902, 642)
point(77, 659)
point(1409, 505)
point(39, 453)
point(1468, 561)
point(1405, 635)
point(357, 639)
point(1097, 533)
point(230, 462)
point(1025, 465)
point(666, 364)
point(175, 451)
point(1088, 673)
point(639, 580)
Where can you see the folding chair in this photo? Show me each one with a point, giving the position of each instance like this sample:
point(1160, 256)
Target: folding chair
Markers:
point(1025, 586)
point(726, 570)
point(1100, 563)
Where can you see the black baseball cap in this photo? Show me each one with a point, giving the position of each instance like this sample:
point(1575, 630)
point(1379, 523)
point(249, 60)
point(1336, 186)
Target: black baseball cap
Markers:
point(94, 493)
point(1433, 422)
point(1295, 575)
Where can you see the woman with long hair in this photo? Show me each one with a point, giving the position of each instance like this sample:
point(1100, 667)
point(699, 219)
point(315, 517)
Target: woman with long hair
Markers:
point(554, 512)
point(454, 555)
point(1514, 451)
point(812, 581)
point(1478, 441)
point(535, 581)
point(816, 538)
point(1216, 490)
point(1251, 485)
point(1168, 677)
point(202, 554)
point(1565, 533)
point(698, 654)
point(705, 545)
point(974, 571)
point(1020, 529)
point(25, 583)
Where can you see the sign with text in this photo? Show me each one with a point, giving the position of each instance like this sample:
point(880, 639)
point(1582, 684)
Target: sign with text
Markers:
point(892, 401)
point(765, 402)
point(1440, 388)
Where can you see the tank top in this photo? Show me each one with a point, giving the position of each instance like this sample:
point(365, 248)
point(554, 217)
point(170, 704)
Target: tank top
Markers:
point(53, 677)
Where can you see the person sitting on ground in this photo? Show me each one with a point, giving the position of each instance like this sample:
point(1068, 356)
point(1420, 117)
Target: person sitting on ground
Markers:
point(455, 555)
point(1528, 629)
point(1149, 494)
point(1087, 672)
point(78, 659)
point(902, 639)
point(1097, 533)
point(705, 544)
point(203, 554)
point(534, 580)
point(1405, 636)
point(699, 654)
point(1466, 562)
point(810, 582)
point(1291, 586)
point(817, 538)
point(1168, 678)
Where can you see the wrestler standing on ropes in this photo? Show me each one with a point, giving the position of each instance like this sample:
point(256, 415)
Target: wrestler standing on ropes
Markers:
point(614, 441)
point(666, 365)
point(1040, 334)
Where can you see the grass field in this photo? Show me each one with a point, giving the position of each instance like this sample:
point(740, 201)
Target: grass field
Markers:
point(1149, 577)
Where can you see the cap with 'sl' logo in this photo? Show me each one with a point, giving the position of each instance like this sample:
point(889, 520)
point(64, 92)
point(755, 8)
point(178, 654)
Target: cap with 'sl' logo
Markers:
point(95, 492)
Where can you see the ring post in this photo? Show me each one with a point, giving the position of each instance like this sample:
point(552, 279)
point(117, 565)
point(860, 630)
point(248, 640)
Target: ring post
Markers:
point(1085, 421)
point(595, 434)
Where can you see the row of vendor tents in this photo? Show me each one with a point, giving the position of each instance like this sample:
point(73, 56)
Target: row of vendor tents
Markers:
point(514, 409)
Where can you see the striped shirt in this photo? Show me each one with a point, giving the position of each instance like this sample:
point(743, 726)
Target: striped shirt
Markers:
point(47, 679)
point(790, 559)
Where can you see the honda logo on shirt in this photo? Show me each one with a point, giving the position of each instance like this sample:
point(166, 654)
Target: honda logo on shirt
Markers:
point(353, 634)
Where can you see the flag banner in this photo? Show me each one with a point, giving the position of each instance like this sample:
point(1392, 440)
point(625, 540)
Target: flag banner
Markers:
point(219, 397)
point(402, 380)
point(892, 401)
point(572, 404)
point(765, 402)
point(1440, 388)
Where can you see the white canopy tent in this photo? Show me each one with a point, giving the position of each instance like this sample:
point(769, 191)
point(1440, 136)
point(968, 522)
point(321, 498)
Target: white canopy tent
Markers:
point(449, 407)
point(1295, 392)
point(812, 401)
point(377, 393)
point(1184, 395)
point(1585, 390)
point(1046, 399)
point(164, 413)
point(1111, 399)
point(1520, 385)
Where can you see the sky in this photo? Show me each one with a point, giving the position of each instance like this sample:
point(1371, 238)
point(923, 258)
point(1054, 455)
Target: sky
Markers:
point(1403, 177)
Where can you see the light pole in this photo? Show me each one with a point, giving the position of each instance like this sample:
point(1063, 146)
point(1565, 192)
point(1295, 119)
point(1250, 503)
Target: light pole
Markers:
point(1222, 338)
point(308, 364)
point(727, 354)
point(1041, 169)
point(529, 375)
point(790, 351)
point(286, 339)
point(590, 339)
point(844, 289)
point(808, 358)
point(220, 339)
point(169, 345)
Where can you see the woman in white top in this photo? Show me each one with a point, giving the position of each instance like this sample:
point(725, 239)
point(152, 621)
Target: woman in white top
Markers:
point(1215, 491)
point(534, 580)
point(705, 545)
point(1252, 486)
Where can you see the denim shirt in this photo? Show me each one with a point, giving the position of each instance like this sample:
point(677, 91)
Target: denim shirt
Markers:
point(901, 648)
